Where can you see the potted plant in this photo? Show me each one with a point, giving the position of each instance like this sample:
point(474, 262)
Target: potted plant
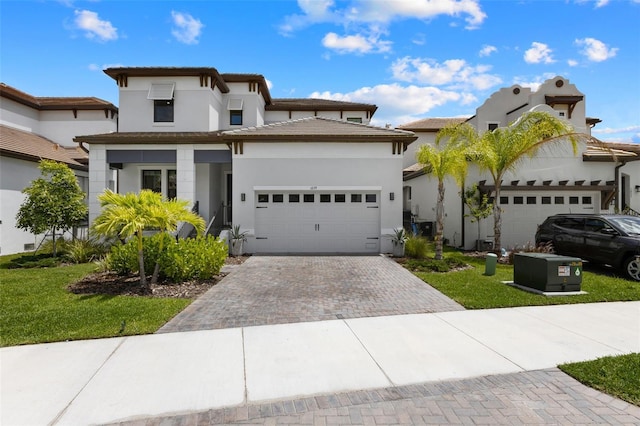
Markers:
point(398, 239)
point(237, 240)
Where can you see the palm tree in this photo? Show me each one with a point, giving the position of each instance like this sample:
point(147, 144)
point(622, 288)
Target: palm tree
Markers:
point(440, 162)
point(168, 216)
point(130, 214)
point(505, 148)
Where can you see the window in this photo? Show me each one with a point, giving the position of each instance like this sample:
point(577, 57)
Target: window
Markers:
point(531, 200)
point(492, 126)
point(558, 200)
point(370, 198)
point(325, 198)
point(235, 111)
point(546, 200)
point(152, 179)
point(587, 200)
point(518, 200)
point(277, 198)
point(294, 198)
point(263, 198)
point(355, 119)
point(573, 200)
point(172, 184)
point(504, 200)
point(235, 118)
point(309, 198)
point(356, 198)
point(339, 198)
point(163, 111)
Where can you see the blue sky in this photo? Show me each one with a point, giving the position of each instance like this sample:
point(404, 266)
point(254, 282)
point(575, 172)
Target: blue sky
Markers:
point(412, 58)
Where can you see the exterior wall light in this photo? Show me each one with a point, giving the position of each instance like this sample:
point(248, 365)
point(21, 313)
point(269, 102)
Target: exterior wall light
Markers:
point(243, 197)
point(392, 196)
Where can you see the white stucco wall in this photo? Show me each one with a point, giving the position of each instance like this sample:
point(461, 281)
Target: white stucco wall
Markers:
point(334, 165)
point(15, 175)
point(61, 127)
point(15, 114)
point(278, 116)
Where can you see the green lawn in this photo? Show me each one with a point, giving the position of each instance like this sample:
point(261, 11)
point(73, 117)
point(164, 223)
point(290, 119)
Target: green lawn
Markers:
point(474, 290)
point(618, 376)
point(35, 307)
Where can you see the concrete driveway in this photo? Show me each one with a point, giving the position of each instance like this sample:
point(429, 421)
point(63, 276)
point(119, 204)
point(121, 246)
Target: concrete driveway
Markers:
point(267, 290)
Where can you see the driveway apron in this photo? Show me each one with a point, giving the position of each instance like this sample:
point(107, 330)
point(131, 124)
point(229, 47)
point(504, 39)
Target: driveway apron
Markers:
point(268, 290)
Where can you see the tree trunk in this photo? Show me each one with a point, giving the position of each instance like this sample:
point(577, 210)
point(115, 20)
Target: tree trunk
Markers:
point(439, 220)
point(497, 224)
point(156, 269)
point(143, 276)
point(55, 251)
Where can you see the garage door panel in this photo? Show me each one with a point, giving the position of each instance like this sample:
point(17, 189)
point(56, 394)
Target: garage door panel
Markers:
point(322, 226)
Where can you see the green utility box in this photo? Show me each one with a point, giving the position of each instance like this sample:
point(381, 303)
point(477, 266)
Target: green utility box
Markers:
point(547, 272)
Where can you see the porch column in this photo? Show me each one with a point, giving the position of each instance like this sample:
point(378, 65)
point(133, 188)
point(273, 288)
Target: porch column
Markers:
point(99, 176)
point(186, 173)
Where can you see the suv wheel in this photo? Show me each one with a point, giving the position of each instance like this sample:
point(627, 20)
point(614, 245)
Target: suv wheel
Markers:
point(632, 267)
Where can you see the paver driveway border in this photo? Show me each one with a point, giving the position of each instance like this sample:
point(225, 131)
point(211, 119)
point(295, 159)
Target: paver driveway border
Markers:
point(268, 290)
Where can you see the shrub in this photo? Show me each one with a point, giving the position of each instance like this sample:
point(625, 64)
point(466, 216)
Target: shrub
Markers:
point(85, 250)
point(433, 265)
point(123, 258)
point(42, 260)
point(417, 247)
point(194, 258)
point(47, 246)
point(530, 248)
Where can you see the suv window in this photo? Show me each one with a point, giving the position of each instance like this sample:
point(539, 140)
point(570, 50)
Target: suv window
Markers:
point(595, 225)
point(573, 223)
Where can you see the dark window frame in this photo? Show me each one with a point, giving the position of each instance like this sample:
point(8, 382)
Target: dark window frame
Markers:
point(235, 117)
point(163, 111)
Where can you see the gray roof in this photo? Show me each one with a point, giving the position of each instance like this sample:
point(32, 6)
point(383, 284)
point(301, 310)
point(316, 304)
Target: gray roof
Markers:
point(432, 124)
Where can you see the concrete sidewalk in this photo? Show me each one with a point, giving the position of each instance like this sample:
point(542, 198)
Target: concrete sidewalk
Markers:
point(111, 380)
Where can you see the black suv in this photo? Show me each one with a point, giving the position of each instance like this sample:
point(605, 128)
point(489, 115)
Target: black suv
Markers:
point(599, 238)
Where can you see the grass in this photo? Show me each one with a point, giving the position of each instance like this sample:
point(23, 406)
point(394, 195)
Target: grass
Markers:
point(618, 376)
point(473, 290)
point(35, 307)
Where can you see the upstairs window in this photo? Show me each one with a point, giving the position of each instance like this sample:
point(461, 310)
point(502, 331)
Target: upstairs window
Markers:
point(163, 111)
point(162, 96)
point(235, 111)
point(492, 126)
point(355, 119)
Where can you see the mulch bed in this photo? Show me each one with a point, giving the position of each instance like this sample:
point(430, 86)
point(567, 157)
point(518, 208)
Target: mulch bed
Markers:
point(108, 283)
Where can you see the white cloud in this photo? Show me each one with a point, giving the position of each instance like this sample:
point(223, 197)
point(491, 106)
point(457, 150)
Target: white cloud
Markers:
point(608, 130)
point(539, 52)
point(96, 67)
point(355, 43)
point(595, 50)
point(536, 83)
point(487, 50)
point(398, 104)
point(380, 12)
point(186, 28)
point(572, 63)
point(94, 27)
point(601, 3)
point(456, 72)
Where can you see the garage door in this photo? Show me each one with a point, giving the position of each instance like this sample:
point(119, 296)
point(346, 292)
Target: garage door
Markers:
point(317, 222)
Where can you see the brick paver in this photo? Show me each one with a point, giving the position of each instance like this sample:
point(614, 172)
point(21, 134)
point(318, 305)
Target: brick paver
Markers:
point(268, 290)
point(534, 397)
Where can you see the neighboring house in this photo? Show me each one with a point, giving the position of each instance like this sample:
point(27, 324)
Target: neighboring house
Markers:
point(555, 181)
point(35, 128)
point(299, 175)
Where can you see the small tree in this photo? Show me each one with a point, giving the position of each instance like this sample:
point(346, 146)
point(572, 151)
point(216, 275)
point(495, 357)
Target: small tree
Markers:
point(478, 204)
point(54, 201)
point(442, 161)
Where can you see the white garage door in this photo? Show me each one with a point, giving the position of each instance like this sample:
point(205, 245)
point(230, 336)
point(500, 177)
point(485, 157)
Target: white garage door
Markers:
point(317, 222)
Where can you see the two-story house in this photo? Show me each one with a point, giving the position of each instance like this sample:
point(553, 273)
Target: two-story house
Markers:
point(34, 128)
point(299, 175)
point(554, 181)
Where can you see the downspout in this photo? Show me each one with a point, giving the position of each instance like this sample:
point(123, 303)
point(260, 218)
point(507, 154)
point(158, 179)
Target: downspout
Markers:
point(616, 180)
point(462, 243)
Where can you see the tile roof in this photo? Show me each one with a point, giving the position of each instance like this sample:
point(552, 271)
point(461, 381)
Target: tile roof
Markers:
point(32, 147)
point(55, 103)
point(319, 129)
point(151, 138)
point(313, 104)
point(432, 124)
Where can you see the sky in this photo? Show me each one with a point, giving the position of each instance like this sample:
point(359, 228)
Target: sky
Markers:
point(412, 58)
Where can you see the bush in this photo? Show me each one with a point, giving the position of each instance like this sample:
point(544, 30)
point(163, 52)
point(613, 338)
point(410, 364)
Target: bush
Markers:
point(185, 259)
point(85, 250)
point(530, 248)
point(42, 260)
point(194, 258)
point(47, 246)
point(432, 265)
point(417, 247)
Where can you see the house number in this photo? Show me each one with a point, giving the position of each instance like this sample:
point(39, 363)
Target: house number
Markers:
point(313, 187)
